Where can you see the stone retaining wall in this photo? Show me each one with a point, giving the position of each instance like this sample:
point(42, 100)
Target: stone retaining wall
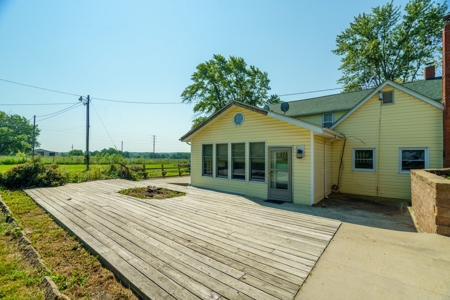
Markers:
point(430, 196)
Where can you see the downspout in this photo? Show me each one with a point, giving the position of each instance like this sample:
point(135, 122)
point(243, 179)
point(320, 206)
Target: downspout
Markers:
point(377, 152)
point(190, 164)
point(325, 142)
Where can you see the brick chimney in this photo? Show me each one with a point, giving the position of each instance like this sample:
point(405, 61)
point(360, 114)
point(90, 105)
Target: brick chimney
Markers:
point(430, 72)
point(446, 88)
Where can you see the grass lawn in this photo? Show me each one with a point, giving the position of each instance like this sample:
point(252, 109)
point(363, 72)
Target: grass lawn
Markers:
point(77, 273)
point(17, 279)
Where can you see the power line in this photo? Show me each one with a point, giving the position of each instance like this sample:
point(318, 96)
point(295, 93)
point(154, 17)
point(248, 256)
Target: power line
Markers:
point(61, 112)
point(309, 92)
point(74, 104)
point(103, 124)
point(18, 104)
point(134, 102)
point(39, 88)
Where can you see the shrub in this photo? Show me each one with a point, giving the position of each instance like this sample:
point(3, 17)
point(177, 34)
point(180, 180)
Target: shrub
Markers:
point(32, 174)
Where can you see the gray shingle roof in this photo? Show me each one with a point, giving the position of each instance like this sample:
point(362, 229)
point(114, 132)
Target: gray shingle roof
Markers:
point(346, 101)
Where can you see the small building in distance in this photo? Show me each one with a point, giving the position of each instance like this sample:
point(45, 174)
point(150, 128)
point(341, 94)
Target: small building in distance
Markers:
point(43, 152)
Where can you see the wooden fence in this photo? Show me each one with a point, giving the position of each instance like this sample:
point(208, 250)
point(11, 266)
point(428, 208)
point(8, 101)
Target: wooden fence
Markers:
point(180, 170)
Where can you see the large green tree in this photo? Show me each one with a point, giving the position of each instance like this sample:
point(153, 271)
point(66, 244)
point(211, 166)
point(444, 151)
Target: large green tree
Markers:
point(220, 80)
point(388, 44)
point(16, 134)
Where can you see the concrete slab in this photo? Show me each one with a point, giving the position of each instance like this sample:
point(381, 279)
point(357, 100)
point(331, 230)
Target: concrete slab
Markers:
point(363, 262)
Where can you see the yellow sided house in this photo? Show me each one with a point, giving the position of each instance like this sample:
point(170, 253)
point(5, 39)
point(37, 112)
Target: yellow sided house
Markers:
point(361, 143)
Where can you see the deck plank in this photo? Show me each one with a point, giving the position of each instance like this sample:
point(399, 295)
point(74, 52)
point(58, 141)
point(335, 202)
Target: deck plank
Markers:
point(205, 245)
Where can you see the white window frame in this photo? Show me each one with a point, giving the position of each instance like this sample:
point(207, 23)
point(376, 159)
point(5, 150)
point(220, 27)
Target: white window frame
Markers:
point(217, 162)
point(393, 97)
point(250, 162)
point(374, 160)
point(212, 161)
point(323, 119)
point(245, 162)
point(426, 157)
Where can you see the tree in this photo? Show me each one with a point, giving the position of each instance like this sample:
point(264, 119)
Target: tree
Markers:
point(385, 44)
point(219, 81)
point(76, 153)
point(16, 134)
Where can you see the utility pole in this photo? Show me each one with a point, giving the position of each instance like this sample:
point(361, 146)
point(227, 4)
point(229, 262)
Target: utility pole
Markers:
point(122, 148)
point(86, 102)
point(154, 145)
point(72, 147)
point(34, 134)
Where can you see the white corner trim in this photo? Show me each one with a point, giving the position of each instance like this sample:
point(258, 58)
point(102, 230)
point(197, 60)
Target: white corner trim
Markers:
point(381, 86)
point(312, 168)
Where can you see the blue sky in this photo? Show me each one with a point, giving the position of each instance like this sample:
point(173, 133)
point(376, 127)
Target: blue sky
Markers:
point(147, 51)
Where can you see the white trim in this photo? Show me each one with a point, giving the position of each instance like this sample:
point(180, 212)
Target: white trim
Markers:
point(312, 168)
point(203, 162)
point(323, 118)
point(374, 160)
point(426, 157)
point(377, 89)
point(216, 157)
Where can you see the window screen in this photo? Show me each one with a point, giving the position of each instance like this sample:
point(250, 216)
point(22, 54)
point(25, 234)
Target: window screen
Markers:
point(257, 161)
point(222, 160)
point(388, 97)
point(238, 163)
point(364, 159)
point(207, 159)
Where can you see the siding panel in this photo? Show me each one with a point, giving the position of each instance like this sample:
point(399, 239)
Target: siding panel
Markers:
point(408, 122)
point(256, 128)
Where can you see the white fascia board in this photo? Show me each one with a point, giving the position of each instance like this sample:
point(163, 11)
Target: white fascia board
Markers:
point(309, 126)
point(328, 133)
point(381, 86)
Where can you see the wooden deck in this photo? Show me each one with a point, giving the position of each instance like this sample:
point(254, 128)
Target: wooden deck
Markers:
point(205, 245)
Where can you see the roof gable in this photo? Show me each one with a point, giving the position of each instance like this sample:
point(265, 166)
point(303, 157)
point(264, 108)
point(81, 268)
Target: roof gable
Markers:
point(377, 89)
point(318, 130)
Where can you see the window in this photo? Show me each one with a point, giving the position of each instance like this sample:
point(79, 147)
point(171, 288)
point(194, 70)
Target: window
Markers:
point(257, 161)
point(412, 158)
point(238, 161)
point(387, 97)
point(222, 160)
point(207, 160)
point(363, 160)
point(327, 120)
point(238, 119)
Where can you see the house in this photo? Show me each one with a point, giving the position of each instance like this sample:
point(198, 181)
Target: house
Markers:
point(44, 152)
point(361, 142)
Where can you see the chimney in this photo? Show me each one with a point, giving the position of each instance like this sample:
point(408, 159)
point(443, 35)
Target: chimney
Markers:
point(430, 72)
point(446, 88)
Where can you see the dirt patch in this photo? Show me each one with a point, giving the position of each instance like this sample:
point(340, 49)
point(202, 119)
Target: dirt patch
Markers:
point(352, 202)
point(151, 192)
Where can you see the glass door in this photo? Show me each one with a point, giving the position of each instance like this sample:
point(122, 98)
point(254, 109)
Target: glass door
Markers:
point(280, 170)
